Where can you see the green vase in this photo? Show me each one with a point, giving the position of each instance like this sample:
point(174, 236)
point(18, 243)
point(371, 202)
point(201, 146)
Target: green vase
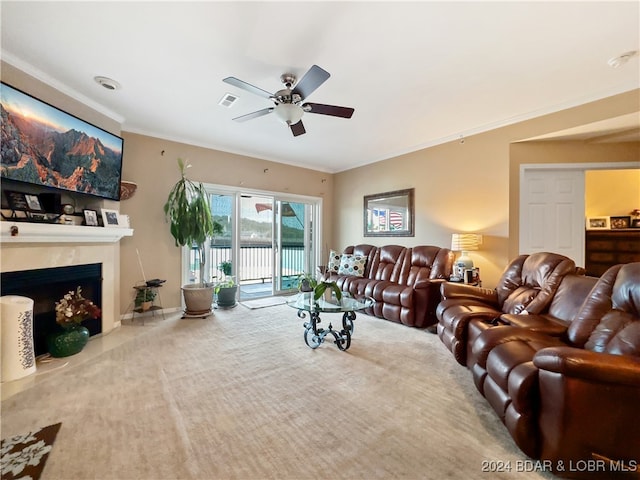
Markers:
point(69, 341)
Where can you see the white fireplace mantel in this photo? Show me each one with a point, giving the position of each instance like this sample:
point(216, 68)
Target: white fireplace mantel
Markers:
point(56, 233)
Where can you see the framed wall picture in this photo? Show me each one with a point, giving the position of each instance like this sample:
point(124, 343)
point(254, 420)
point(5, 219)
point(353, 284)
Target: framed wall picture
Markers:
point(620, 222)
point(110, 218)
point(389, 214)
point(90, 217)
point(598, 223)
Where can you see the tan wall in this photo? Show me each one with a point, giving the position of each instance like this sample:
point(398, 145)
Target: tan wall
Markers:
point(611, 192)
point(156, 172)
point(473, 186)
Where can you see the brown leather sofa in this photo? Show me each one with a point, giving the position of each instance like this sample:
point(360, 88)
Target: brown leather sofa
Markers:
point(403, 281)
point(527, 285)
point(571, 399)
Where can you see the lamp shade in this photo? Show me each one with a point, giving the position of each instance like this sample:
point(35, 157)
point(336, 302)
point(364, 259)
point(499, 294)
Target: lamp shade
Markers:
point(464, 242)
point(289, 113)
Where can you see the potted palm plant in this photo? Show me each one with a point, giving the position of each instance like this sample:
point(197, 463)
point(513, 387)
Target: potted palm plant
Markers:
point(191, 222)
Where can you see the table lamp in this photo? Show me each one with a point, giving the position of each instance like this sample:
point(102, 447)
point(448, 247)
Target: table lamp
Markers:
point(464, 242)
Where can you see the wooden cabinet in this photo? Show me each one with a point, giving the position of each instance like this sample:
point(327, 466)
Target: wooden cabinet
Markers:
point(605, 248)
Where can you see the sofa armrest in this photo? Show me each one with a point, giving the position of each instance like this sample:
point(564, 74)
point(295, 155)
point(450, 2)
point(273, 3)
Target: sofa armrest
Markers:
point(588, 365)
point(429, 283)
point(492, 337)
point(469, 292)
point(537, 323)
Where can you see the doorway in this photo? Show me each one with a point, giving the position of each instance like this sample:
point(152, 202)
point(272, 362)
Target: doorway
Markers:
point(552, 207)
point(269, 239)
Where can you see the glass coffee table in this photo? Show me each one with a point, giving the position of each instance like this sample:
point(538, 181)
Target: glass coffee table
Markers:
point(348, 306)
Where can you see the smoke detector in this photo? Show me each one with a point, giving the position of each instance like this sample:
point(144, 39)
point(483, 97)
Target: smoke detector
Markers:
point(620, 60)
point(107, 83)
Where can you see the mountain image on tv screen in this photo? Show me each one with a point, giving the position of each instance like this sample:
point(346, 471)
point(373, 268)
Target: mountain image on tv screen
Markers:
point(43, 145)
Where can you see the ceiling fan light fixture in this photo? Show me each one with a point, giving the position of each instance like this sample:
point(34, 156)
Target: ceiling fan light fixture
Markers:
point(288, 113)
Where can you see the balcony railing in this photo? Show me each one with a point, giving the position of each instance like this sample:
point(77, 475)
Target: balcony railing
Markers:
point(256, 261)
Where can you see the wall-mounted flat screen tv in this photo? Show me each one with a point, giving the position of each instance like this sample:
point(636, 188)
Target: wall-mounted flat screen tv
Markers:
point(42, 145)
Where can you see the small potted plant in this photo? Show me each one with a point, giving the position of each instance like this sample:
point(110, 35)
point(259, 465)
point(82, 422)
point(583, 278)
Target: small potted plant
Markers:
point(226, 292)
point(225, 267)
point(306, 282)
point(227, 289)
point(328, 289)
point(144, 298)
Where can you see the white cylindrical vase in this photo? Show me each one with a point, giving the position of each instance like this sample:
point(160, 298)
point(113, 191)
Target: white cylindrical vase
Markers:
point(16, 337)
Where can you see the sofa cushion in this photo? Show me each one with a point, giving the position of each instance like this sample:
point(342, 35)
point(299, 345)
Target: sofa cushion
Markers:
point(334, 262)
point(352, 265)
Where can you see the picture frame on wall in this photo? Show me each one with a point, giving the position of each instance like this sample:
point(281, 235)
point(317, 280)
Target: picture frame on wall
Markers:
point(598, 223)
point(110, 218)
point(90, 217)
point(623, 221)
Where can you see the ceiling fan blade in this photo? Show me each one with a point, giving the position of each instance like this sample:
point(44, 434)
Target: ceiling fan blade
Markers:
point(315, 77)
point(250, 116)
point(297, 129)
point(247, 86)
point(333, 110)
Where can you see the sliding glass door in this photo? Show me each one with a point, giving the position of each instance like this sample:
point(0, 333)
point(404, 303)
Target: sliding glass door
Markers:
point(268, 240)
point(293, 243)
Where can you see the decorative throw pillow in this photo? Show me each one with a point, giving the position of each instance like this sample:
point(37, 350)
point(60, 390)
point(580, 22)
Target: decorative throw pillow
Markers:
point(352, 265)
point(334, 262)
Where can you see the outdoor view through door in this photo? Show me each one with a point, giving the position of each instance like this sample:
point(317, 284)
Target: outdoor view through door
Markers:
point(268, 241)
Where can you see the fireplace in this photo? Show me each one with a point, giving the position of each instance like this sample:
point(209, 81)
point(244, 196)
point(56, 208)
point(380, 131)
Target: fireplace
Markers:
point(34, 246)
point(45, 286)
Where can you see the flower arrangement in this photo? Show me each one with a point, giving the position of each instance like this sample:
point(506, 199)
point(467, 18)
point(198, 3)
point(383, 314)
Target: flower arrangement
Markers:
point(73, 309)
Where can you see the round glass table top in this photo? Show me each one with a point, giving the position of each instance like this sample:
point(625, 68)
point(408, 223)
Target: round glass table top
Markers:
point(305, 301)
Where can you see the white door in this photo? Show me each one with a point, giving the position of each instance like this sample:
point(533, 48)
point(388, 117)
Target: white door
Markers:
point(552, 212)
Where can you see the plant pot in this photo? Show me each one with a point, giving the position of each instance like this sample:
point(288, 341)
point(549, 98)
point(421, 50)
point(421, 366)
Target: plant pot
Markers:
point(227, 296)
point(197, 298)
point(68, 341)
point(145, 306)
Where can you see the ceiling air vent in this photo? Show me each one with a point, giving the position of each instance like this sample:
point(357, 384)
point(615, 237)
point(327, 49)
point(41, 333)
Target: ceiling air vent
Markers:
point(227, 100)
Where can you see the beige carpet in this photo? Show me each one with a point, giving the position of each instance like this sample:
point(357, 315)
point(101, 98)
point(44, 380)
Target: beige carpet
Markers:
point(264, 302)
point(240, 396)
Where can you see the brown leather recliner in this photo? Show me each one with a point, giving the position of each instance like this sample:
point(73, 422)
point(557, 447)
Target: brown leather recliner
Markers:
point(528, 283)
point(581, 390)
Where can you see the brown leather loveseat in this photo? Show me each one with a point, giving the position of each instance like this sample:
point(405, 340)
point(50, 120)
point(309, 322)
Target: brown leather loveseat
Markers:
point(403, 281)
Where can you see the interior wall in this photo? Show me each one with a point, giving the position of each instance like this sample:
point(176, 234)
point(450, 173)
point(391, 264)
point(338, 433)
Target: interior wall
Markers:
point(611, 192)
point(473, 185)
point(152, 164)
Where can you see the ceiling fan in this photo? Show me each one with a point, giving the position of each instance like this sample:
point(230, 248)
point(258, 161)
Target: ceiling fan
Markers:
point(289, 106)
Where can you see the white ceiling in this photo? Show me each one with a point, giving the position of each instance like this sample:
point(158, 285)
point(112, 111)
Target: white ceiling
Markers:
point(417, 73)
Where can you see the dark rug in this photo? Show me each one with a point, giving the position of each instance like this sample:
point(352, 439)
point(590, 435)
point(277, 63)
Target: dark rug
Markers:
point(24, 456)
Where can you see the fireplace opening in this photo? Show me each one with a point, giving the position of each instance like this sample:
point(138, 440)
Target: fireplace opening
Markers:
point(45, 286)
